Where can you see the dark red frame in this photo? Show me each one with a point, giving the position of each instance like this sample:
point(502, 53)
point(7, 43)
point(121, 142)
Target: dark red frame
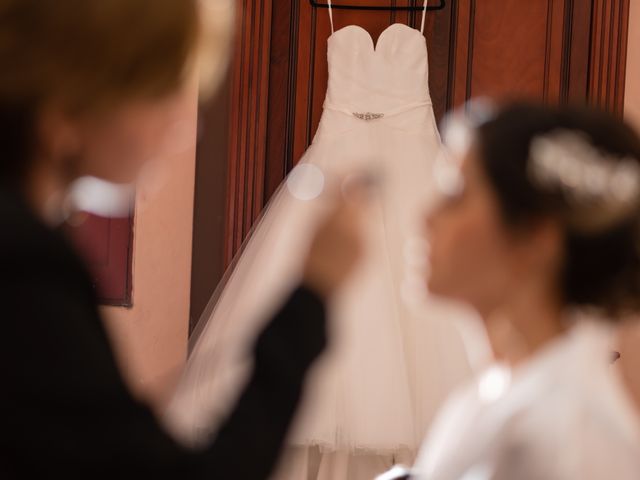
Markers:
point(106, 244)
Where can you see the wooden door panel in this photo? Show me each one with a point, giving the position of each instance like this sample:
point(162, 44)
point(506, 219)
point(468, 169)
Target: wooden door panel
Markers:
point(535, 50)
point(608, 59)
point(497, 71)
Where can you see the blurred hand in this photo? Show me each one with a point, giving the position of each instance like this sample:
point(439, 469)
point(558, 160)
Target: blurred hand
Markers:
point(338, 244)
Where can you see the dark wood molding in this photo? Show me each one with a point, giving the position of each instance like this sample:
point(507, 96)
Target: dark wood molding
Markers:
point(248, 122)
point(470, 44)
point(610, 28)
point(578, 36)
point(282, 76)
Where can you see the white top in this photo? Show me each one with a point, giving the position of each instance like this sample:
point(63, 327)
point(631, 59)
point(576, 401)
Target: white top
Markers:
point(563, 415)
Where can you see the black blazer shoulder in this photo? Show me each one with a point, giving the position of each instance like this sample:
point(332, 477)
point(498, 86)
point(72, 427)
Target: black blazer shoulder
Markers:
point(66, 409)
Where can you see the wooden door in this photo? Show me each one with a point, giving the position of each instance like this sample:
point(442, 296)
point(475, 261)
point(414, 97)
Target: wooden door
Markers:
point(555, 51)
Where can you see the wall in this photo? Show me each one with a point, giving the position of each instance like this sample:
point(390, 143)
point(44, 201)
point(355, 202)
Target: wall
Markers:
point(632, 88)
point(151, 338)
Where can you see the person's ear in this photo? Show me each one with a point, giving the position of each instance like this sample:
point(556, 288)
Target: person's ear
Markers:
point(58, 136)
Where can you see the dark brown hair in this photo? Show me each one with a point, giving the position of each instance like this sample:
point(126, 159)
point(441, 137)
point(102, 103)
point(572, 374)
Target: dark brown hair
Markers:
point(601, 267)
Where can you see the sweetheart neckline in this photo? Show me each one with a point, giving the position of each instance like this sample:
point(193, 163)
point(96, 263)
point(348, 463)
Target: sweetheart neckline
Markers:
point(374, 45)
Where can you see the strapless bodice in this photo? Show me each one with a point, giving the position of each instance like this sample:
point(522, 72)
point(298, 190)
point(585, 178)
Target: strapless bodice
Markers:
point(378, 78)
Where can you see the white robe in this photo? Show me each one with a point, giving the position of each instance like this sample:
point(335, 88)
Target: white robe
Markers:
point(562, 415)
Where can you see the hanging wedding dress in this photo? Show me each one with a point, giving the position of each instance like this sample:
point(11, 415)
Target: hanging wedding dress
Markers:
point(395, 352)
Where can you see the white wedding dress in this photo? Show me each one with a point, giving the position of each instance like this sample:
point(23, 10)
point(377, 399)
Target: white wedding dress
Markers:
point(395, 353)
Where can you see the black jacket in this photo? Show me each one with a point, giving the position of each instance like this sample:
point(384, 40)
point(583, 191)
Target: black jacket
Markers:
point(64, 408)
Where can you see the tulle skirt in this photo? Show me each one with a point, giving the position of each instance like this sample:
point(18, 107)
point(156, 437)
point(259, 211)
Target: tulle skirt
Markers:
point(395, 351)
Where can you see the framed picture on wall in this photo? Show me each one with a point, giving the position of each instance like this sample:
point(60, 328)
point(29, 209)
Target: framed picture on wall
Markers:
point(106, 245)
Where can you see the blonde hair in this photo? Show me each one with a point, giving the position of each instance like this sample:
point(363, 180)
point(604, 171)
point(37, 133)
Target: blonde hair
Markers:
point(91, 54)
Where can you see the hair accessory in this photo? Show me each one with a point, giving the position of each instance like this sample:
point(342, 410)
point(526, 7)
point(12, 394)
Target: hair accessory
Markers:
point(458, 132)
point(600, 188)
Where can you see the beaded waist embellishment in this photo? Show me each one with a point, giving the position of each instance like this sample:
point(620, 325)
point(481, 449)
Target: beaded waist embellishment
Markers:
point(368, 116)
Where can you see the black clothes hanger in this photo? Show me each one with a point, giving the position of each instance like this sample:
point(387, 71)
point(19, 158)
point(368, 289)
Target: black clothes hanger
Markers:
point(416, 8)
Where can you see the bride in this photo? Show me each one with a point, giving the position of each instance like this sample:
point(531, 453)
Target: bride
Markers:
point(539, 230)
